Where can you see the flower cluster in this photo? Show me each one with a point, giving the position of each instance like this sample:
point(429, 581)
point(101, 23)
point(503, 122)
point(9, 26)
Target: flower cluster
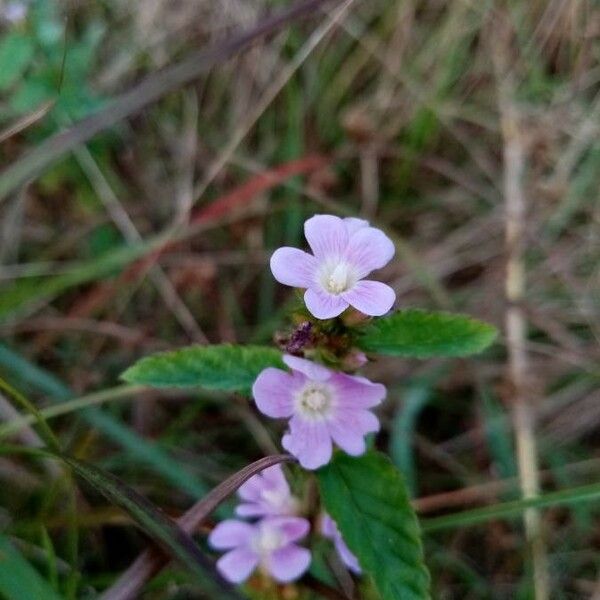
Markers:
point(323, 406)
point(269, 543)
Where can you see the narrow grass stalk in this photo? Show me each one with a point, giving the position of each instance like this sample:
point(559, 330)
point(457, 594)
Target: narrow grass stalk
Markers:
point(514, 158)
point(116, 393)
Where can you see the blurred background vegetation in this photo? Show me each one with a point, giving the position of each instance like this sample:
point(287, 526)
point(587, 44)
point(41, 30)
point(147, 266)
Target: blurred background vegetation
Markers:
point(425, 117)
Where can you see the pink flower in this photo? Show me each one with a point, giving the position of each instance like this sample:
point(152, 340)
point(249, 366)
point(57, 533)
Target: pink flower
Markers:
point(267, 495)
point(322, 405)
point(329, 530)
point(268, 545)
point(344, 252)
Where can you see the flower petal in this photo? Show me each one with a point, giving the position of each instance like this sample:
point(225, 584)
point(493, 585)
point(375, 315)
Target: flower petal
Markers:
point(312, 370)
point(230, 534)
point(346, 555)
point(293, 528)
point(288, 563)
point(327, 236)
point(237, 565)
point(275, 478)
point(250, 509)
point(369, 249)
point(324, 306)
point(372, 298)
point(294, 267)
point(273, 391)
point(309, 442)
point(357, 392)
point(353, 224)
point(348, 429)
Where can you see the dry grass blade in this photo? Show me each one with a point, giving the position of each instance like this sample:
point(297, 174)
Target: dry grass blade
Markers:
point(26, 121)
point(149, 562)
point(148, 91)
point(516, 327)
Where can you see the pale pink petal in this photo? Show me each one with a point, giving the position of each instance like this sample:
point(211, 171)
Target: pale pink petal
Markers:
point(328, 526)
point(230, 534)
point(293, 528)
point(331, 531)
point(353, 224)
point(250, 509)
point(306, 367)
point(275, 478)
point(294, 267)
point(349, 427)
point(273, 390)
point(288, 563)
point(237, 565)
point(357, 392)
point(348, 558)
point(371, 298)
point(327, 236)
point(369, 249)
point(324, 306)
point(251, 489)
point(309, 442)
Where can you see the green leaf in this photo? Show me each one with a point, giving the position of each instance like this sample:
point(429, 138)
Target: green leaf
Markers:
point(16, 52)
point(18, 579)
point(221, 367)
point(422, 334)
point(367, 498)
point(153, 522)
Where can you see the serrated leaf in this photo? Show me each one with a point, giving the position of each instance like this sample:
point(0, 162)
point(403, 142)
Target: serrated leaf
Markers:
point(16, 52)
point(422, 334)
point(18, 579)
point(220, 367)
point(367, 498)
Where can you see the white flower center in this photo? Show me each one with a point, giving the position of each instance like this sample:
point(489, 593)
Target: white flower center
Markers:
point(314, 401)
point(267, 540)
point(338, 277)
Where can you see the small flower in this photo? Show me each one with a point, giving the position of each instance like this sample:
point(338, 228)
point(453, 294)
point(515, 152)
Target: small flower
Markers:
point(268, 545)
point(267, 495)
point(344, 252)
point(329, 530)
point(15, 12)
point(322, 405)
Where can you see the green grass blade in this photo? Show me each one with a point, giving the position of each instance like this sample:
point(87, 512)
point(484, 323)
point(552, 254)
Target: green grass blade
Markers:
point(586, 493)
point(139, 449)
point(154, 523)
point(18, 579)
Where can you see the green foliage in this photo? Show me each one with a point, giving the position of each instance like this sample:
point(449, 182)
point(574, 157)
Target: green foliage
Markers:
point(138, 449)
point(419, 333)
point(505, 510)
point(415, 398)
point(152, 521)
point(18, 579)
point(220, 367)
point(60, 64)
point(367, 499)
point(16, 52)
